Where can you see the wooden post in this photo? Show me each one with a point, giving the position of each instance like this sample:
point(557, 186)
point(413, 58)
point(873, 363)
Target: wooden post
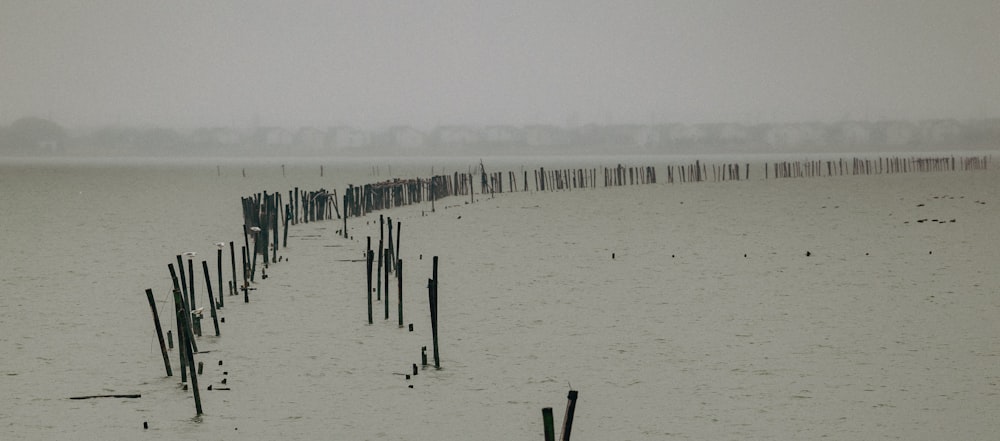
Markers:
point(390, 256)
point(211, 300)
point(183, 314)
point(232, 260)
point(218, 259)
point(370, 257)
point(386, 252)
point(183, 287)
point(159, 330)
point(548, 424)
point(180, 327)
point(378, 273)
point(196, 321)
point(432, 292)
point(568, 420)
point(246, 286)
point(399, 289)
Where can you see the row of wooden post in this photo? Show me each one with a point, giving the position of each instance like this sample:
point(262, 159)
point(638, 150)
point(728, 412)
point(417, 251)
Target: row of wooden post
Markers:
point(873, 166)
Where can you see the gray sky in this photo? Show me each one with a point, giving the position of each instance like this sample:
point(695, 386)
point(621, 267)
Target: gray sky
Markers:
point(427, 63)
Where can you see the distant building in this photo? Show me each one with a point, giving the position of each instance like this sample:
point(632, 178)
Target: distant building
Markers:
point(344, 138)
point(310, 138)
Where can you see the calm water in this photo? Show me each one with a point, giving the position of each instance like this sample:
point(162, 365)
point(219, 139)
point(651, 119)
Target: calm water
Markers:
point(887, 330)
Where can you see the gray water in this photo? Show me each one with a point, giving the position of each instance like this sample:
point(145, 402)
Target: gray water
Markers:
point(709, 323)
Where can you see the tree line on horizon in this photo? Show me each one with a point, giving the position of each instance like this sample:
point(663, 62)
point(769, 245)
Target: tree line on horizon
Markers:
point(33, 136)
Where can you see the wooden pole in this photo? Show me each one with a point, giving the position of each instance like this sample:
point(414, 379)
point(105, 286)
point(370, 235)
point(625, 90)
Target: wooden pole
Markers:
point(246, 287)
point(568, 420)
point(183, 314)
point(159, 330)
point(211, 300)
point(196, 321)
point(232, 260)
point(399, 290)
point(386, 274)
point(180, 326)
point(399, 226)
point(218, 259)
point(432, 293)
point(548, 424)
point(378, 273)
point(370, 257)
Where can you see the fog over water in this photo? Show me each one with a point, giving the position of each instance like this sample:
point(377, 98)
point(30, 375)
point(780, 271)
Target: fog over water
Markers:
point(376, 64)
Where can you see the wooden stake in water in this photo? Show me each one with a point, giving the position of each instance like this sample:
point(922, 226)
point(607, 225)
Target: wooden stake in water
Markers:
point(196, 319)
point(371, 262)
point(180, 326)
point(159, 331)
point(568, 420)
point(218, 259)
point(183, 314)
point(378, 273)
point(548, 424)
point(432, 292)
point(211, 300)
point(246, 287)
point(386, 251)
point(232, 260)
point(399, 289)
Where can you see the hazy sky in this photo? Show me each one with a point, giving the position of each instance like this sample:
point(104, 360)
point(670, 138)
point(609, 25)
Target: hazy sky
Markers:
point(426, 63)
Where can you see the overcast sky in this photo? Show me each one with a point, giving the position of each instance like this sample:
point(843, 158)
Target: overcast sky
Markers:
point(427, 63)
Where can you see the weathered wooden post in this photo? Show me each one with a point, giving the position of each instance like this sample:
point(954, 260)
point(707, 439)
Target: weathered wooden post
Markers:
point(370, 257)
point(180, 324)
point(232, 260)
point(211, 300)
point(399, 289)
point(196, 320)
point(189, 355)
point(548, 424)
point(159, 330)
point(386, 252)
point(432, 292)
point(246, 283)
point(568, 420)
point(218, 260)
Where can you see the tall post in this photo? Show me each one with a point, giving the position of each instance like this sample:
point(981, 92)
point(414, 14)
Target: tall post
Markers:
point(232, 260)
point(370, 257)
point(386, 252)
point(433, 301)
point(159, 330)
point(196, 320)
point(211, 300)
point(218, 260)
point(399, 289)
point(378, 273)
point(183, 314)
point(568, 420)
point(548, 424)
